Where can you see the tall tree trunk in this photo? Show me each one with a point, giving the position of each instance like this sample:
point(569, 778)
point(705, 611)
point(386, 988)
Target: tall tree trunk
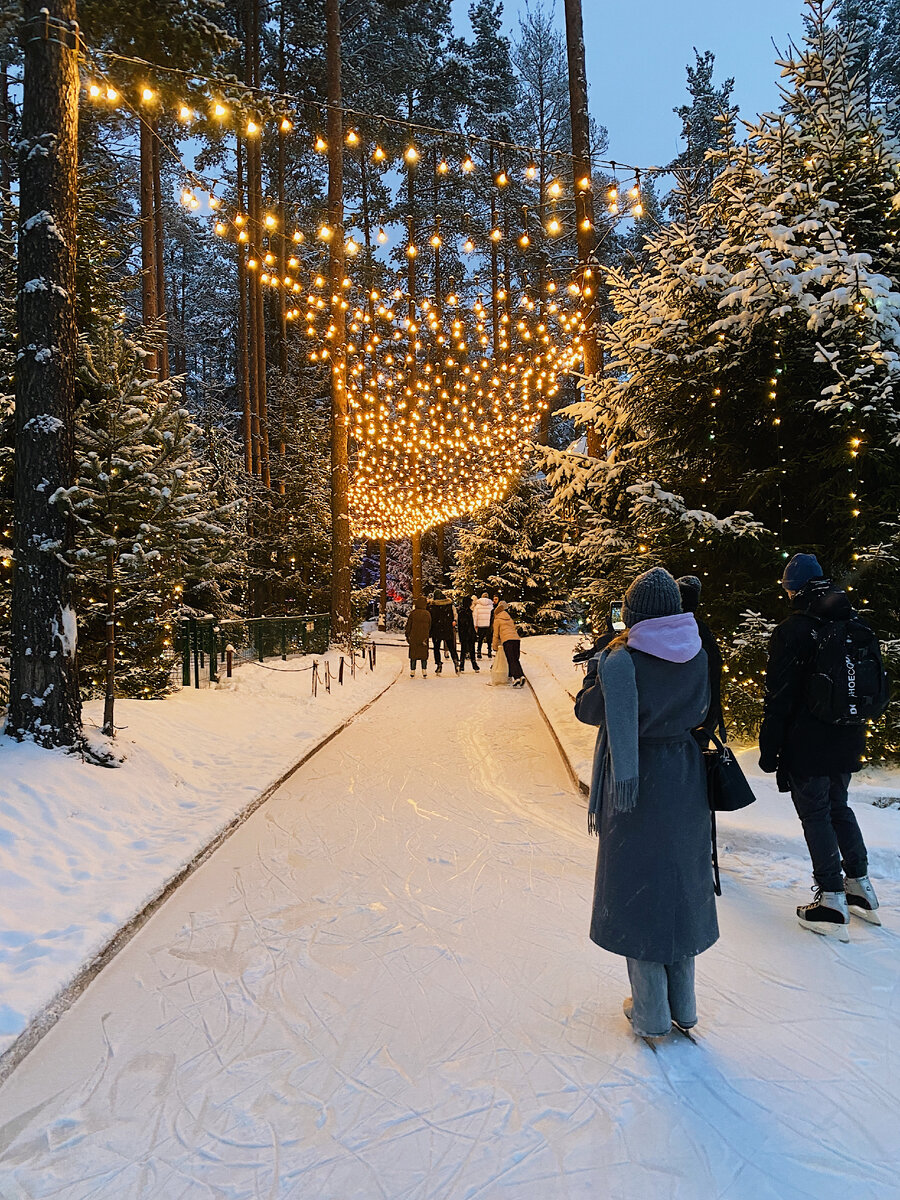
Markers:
point(382, 562)
point(159, 257)
point(149, 310)
point(109, 702)
point(282, 266)
point(340, 409)
point(5, 164)
point(242, 354)
point(417, 564)
point(44, 699)
point(584, 195)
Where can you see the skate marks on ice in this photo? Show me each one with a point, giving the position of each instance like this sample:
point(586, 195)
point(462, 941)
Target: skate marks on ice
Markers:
point(381, 987)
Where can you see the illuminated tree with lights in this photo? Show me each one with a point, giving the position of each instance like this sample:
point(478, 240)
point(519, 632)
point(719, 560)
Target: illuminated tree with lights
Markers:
point(749, 406)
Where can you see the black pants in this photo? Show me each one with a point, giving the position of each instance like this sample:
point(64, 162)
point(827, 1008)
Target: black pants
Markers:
point(830, 829)
point(484, 634)
point(511, 650)
point(450, 642)
point(466, 650)
point(414, 662)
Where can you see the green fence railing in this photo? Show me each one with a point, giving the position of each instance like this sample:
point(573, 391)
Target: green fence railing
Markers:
point(204, 643)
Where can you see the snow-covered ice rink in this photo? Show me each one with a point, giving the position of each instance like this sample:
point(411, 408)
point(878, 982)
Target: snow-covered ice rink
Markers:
point(381, 988)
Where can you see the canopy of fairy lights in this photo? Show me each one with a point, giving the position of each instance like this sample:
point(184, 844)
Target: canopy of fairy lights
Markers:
point(446, 379)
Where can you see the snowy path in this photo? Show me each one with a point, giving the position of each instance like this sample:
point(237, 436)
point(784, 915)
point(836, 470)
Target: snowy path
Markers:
point(382, 988)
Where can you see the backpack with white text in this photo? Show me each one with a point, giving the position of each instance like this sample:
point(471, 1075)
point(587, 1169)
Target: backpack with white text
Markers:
point(848, 684)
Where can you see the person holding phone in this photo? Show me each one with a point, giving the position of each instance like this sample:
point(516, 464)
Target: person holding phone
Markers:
point(654, 899)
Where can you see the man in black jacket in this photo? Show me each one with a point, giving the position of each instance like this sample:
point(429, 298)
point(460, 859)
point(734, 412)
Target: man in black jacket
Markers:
point(813, 759)
point(690, 587)
point(443, 630)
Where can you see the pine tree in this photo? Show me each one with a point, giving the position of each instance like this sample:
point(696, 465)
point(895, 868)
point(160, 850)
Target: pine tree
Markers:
point(749, 408)
point(143, 511)
point(700, 130)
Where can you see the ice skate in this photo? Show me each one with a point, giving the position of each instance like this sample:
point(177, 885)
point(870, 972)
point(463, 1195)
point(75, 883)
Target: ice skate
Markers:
point(650, 1038)
point(827, 915)
point(412, 674)
point(861, 899)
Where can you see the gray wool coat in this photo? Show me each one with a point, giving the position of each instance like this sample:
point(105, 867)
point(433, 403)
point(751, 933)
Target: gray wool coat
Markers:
point(653, 893)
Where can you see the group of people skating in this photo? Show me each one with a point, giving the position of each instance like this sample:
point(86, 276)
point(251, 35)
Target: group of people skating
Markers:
point(650, 689)
point(477, 622)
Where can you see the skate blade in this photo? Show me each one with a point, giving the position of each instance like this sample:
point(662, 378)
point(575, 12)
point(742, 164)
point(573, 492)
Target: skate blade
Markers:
point(687, 1032)
point(867, 914)
point(826, 929)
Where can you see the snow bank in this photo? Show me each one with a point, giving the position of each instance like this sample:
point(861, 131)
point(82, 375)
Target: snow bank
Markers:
point(82, 849)
point(770, 825)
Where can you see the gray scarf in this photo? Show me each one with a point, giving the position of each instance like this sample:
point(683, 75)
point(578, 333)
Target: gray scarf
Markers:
point(616, 753)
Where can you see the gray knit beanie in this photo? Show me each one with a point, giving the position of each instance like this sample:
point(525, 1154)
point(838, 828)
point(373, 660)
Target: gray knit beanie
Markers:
point(653, 594)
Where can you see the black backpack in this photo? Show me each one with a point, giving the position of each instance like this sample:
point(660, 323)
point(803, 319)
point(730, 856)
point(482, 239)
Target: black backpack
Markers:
point(848, 684)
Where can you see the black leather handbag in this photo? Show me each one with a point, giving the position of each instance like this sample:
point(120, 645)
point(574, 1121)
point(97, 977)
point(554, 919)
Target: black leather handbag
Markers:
point(727, 788)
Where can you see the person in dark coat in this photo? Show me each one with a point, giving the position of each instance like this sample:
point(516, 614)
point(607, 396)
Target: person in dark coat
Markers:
point(466, 626)
point(443, 630)
point(654, 898)
point(813, 760)
point(690, 587)
point(418, 627)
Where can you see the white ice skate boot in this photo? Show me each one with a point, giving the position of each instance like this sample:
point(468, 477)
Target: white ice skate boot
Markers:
point(827, 915)
point(861, 899)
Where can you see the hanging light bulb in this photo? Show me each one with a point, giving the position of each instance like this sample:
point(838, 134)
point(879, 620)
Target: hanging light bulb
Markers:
point(352, 137)
point(352, 247)
point(555, 189)
point(411, 154)
point(111, 94)
point(553, 227)
point(468, 165)
point(147, 94)
point(468, 246)
point(252, 128)
point(502, 179)
point(298, 236)
point(286, 125)
point(378, 154)
point(219, 110)
point(325, 232)
point(270, 221)
point(443, 167)
point(382, 236)
point(320, 144)
point(185, 114)
point(531, 171)
point(94, 91)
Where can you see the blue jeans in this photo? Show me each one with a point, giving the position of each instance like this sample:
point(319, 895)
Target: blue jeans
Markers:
point(830, 828)
point(662, 993)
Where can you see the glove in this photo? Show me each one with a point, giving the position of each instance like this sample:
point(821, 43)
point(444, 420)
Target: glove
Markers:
point(768, 763)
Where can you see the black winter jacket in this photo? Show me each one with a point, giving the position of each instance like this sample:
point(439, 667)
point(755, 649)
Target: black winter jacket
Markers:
point(792, 741)
point(715, 719)
point(466, 623)
point(441, 619)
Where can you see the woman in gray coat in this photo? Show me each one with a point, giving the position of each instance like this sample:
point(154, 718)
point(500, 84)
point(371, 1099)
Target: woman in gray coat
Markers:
point(654, 901)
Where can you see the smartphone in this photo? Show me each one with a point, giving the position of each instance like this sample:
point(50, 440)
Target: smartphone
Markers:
point(615, 616)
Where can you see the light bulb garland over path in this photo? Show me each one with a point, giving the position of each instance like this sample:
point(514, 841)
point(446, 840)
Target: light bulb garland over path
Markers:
point(445, 391)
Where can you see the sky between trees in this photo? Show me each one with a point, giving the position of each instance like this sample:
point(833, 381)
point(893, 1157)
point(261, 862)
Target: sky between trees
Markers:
point(637, 53)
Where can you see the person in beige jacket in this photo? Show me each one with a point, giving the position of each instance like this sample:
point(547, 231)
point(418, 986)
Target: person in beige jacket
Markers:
point(507, 636)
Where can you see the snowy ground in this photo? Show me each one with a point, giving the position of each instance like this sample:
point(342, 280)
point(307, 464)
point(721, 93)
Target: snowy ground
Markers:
point(382, 987)
point(83, 848)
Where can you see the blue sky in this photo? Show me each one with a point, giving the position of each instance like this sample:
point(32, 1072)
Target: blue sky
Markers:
point(637, 53)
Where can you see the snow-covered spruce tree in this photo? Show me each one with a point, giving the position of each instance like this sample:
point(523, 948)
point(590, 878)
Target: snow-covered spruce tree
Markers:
point(516, 548)
point(143, 514)
point(755, 358)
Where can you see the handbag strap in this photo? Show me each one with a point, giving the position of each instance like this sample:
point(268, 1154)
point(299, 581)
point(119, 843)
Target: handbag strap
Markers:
point(717, 882)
